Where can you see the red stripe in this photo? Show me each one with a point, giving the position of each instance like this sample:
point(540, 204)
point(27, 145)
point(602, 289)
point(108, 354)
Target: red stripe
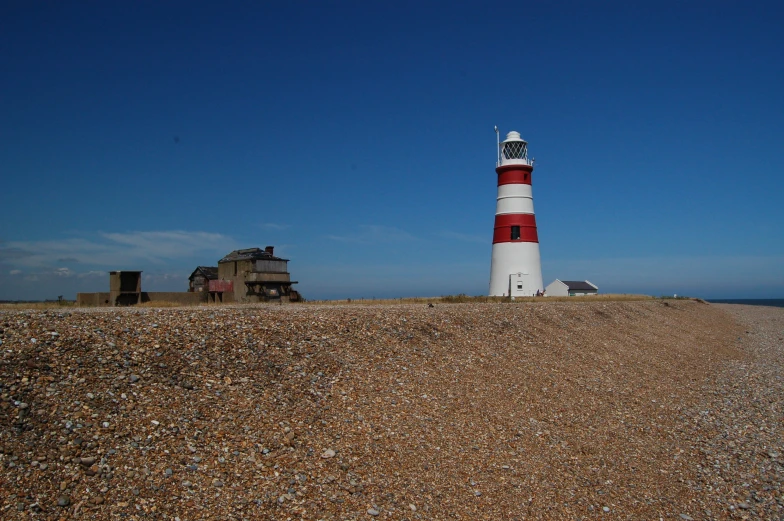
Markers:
point(502, 231)
point(514, 174)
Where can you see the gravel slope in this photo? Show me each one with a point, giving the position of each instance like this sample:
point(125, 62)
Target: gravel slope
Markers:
point(615, 410)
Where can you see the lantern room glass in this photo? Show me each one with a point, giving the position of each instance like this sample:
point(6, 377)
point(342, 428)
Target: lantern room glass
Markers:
point(515, 150)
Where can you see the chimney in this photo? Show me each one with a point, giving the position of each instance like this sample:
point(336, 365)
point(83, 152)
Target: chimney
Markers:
point(269, 249)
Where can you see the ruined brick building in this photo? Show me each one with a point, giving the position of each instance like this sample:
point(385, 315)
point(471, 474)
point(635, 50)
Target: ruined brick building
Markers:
point(249, 275)
point(201, 277)
point(253, 275)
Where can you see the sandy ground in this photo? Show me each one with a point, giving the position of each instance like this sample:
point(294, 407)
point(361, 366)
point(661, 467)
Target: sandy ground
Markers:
point(612, 410)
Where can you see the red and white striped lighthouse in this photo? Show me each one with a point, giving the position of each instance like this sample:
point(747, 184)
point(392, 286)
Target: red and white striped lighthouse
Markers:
point(516, 268)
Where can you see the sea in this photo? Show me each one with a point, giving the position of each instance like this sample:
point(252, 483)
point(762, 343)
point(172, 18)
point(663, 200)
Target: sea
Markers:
point(775, 302)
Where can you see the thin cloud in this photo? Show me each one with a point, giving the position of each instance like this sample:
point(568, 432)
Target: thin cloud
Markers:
point(94, 273)
point(161, 245)
point(275, 226)
point(15, 272)
point(117, 249)
point(370, 234)
point(465, 237)
point(12, 253)
point(707, 276)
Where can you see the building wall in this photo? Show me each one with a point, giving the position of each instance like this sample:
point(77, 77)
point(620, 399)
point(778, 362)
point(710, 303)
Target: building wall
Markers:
point(199, 283)
point(515, 257)
point(92, 299)
point(267, 277)
point(581, 292)
point(220, 297)
point(184, 298)
point(520, 285)
point(271, 266)
point(225, 270)
point(239, 272)
point(557, 289)
point(231, 269)
point(125, 281)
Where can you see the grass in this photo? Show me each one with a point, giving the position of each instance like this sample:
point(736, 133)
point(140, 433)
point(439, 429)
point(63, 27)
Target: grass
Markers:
point(164, 304)
point(467, 299)
point(445, 299)
point(49, 304)
point(72, 304)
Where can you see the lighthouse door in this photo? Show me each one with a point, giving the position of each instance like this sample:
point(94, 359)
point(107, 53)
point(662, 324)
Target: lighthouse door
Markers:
point(518, 285)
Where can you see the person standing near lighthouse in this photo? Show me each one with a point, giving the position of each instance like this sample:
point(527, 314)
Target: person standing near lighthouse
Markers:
point(515, 267)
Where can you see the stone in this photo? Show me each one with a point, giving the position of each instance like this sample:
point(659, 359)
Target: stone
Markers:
point(63, 501)
point(329, 453)
point(373, 512)
point(87, 461)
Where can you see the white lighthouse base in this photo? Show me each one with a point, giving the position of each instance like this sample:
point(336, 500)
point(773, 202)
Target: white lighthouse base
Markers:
point(515, 269)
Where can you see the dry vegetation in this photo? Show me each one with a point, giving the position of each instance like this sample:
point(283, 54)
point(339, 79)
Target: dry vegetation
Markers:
point(544, 410)
point(467, 299)
point(163, 304)
point(446, 299)
point(8, 306)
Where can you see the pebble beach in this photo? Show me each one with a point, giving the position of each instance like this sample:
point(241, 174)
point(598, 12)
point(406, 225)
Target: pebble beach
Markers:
point(652, 409)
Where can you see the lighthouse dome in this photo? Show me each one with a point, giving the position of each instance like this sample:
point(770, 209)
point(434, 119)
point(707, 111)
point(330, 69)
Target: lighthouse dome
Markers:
point(513, 136)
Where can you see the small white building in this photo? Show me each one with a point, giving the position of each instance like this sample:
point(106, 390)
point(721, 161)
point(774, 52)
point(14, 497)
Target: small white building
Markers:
point(570, 288)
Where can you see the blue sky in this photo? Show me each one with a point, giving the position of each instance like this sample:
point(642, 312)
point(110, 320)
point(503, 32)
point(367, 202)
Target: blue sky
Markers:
point(357, 138)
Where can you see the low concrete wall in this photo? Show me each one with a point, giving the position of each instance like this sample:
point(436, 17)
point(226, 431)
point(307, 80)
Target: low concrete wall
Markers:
point(221, 297)
point(92, 299)
point(185, 298)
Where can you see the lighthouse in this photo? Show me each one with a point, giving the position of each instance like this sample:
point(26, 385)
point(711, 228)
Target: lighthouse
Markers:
point(515, 268)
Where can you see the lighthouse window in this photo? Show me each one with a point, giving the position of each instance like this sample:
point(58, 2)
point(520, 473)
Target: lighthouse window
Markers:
point(515, 233)
point(514, 150)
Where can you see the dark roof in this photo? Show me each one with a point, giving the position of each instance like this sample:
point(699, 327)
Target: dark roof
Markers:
point(209, 272)
point(578, 284)
point(249, 254)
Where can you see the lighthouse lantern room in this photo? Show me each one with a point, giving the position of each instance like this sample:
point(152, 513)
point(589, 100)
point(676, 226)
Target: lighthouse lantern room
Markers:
point(515, 268)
